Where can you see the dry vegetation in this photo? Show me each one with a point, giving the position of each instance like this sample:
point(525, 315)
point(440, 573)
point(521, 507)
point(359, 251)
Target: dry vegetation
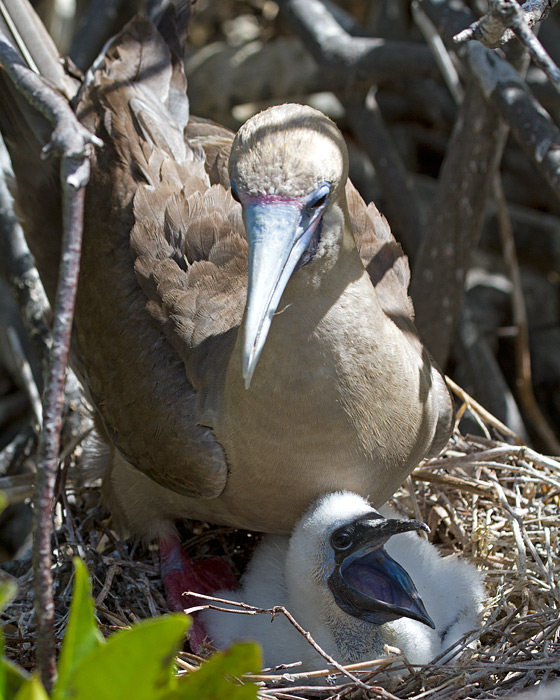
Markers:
point(493, 502)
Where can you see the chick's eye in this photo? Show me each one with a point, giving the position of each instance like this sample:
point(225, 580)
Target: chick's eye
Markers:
point(341, 540)
point(318, 202)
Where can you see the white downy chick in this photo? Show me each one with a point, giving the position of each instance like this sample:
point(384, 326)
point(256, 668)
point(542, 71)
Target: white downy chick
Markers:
point(356, 579)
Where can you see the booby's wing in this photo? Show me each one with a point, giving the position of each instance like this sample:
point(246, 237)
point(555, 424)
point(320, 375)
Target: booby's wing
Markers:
point(383, 258)
point(189, 273)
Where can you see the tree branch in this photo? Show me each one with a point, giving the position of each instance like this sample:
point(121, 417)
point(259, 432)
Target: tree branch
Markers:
point(494, 29)
point(530, 125)
point(74, 144)
point(349, 58)
point(455, 221)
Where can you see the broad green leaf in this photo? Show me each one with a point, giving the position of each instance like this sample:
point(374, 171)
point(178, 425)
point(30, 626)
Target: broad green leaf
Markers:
point(134, 664)
point(82, 634)
point(3, 501)
point(217, 678)
point(13, 677)
point(32, 690)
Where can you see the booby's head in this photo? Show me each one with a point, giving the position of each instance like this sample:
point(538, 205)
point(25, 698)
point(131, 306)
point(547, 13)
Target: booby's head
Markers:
point(339, 545)
point(288, 167)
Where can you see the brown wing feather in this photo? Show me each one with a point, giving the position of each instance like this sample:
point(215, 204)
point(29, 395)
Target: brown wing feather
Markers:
point(383, 258)
point(176, 257)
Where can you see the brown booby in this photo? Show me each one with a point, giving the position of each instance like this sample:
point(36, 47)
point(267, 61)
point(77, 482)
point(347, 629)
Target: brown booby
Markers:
point(242, 328)
point(356, 580)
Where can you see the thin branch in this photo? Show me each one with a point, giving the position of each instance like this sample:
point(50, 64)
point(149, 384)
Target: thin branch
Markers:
point(522, 353)
point(369, 127)
point(441, 54)
point(503, 87)
point(25, 374)
point(13, 454)
point(494, 28)
point(74, 143)
point(18, 268)
point(72, 174)
point(484, 414)
point(506, 15)
point(245, 609)
point(69, 137)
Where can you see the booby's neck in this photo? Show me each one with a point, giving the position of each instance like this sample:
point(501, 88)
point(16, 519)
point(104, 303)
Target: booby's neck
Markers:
point(346, 638)
point(330, 345)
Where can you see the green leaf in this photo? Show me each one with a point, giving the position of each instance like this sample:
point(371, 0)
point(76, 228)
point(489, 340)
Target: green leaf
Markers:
point(82, 634)
point(216, 678)
point(32, 689)
point(13, 678)
point(134, 663)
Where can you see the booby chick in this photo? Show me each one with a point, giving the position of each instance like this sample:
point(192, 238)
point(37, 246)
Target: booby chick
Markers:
point(355, 587)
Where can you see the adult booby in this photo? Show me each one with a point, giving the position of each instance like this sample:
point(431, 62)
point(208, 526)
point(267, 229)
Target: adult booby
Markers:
point(356, 580)
point(242, 326)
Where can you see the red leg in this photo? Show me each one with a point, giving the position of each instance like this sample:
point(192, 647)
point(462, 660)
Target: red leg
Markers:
point(181, 574)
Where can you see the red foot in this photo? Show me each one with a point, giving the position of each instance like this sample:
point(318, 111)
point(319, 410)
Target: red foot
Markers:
point(180, 574)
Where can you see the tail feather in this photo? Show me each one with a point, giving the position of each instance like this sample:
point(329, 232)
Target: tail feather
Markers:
point(172, 18)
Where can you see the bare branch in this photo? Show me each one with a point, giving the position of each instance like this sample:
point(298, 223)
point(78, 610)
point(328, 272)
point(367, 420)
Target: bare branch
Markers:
point(531, 126)
point(439, 51)
point(25, 374)
point(484, 414)
point(368, 125)
point(522, 355)
point(246, 609)
point(74, 143)
point(69, 137)
point(73, 172)
point(455, 221)
point(504, 15)
point(495, 28)
point(18, 268)
point(353, 60)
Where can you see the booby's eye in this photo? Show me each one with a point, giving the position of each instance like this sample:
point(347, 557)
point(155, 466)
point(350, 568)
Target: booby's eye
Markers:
point(341, 539)
point(234, 193)
point(318, 198)
point(318, 202)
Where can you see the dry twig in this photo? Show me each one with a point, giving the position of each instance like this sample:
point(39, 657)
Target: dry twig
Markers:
point(74, 144)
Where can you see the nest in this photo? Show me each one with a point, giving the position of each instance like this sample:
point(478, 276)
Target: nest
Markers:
point(493, 502)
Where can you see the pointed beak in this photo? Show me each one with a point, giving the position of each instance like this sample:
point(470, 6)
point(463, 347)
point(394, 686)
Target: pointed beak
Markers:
point(368, 583)
point(277, 241)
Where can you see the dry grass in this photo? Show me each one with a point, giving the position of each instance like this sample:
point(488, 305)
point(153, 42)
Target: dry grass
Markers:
point(493, 502)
